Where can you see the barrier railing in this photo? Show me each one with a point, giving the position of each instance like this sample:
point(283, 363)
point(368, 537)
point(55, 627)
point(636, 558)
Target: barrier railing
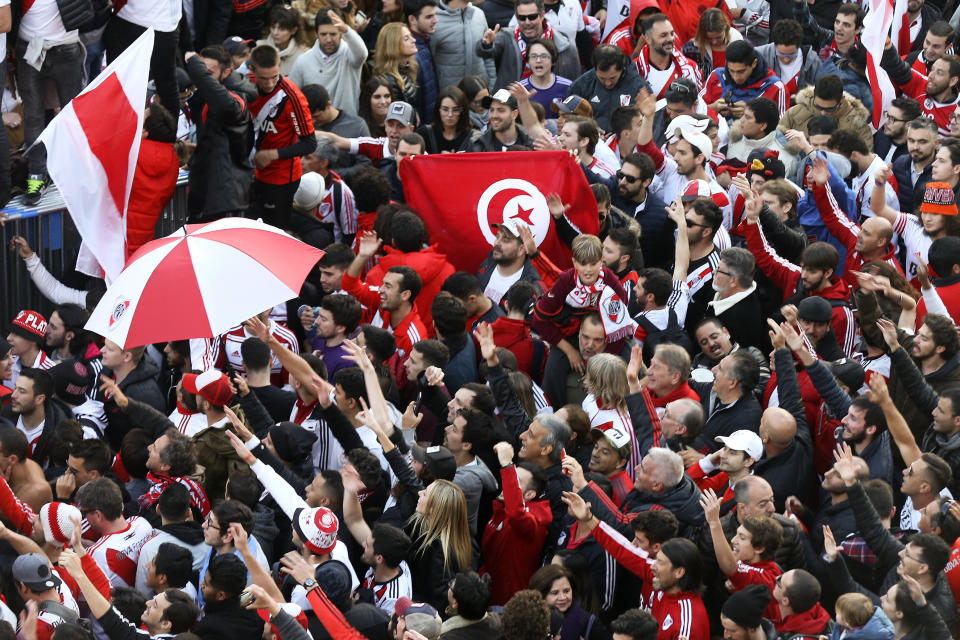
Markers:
point(50, 232)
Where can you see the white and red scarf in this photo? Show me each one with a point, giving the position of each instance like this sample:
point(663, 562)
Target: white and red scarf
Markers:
point(617, 322)
point(522, 45)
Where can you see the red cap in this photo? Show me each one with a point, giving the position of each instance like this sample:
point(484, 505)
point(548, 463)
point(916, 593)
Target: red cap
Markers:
point(211, 385)
point(30, 325)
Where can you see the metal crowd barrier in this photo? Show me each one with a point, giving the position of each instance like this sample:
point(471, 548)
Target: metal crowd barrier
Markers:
point(52, 235)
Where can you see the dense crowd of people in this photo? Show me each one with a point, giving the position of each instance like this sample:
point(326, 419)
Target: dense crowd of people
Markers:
point(736, 415)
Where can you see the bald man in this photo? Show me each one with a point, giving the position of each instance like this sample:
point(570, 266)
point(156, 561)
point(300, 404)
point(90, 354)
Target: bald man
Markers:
point(787, 462)
point(864, 243)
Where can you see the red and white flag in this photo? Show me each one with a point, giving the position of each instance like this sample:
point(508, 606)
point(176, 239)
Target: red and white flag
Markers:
point(460, 196)
point(899, 24)
point(92, 147)
point(876, 26)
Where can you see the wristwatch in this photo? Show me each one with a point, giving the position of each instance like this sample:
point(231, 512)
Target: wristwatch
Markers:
point(309, 583)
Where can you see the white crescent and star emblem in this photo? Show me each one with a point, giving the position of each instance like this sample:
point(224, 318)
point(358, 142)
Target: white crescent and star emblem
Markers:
point(528, 206)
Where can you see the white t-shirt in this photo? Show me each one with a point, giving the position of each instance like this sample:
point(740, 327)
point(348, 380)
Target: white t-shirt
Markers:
point(499, 284)
point(42, 20)
point(162, 15)
point(32, 434)
point(3, 47)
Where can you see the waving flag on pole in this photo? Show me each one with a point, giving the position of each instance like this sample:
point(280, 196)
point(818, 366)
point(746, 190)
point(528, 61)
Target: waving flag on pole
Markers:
point(876, 26)
point(617, 12)
point(900, 29)
point(92, 147)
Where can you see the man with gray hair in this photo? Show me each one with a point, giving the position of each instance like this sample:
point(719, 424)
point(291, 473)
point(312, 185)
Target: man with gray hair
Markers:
point(736, 302)
point(660, 484)
point(543, 444)
point(334, 219)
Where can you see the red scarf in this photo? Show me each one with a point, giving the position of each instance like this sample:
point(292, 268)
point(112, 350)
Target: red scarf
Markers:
point(905, 42)
point(184, 411)
point(198, 497)
point(522, 45)
point(303, 410)
point(683, 391)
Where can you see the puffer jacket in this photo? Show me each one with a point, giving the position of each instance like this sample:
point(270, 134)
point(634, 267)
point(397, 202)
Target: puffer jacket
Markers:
point(432, 267)
point(454, 45)
point(217, 183)
point(154, 182)
point(851, 114)
point(878, 627)
point(505, 52)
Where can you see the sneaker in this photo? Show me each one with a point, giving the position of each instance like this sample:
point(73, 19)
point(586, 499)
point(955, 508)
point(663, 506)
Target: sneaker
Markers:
point(36, 187)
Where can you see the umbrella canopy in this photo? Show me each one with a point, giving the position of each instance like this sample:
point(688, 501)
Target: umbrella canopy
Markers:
point(201, 281)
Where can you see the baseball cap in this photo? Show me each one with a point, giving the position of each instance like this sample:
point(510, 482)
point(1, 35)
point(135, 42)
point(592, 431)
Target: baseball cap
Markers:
point(212, 385)
point(71, 381)
point(814, 309)
point(743, 440)
point(702, 189)
point(500, 96)
point(310, 193)
point(617, 438)
point(438, 459)
point(938, 197)
point(235, 45)
point(30, 325)
point(33, 570)
point(317, 527)
point(419, 617)
point(511, 225)
point(572, 104)
point(697, 140)
point(402, 112)
point(679, 123)
point(849, 372)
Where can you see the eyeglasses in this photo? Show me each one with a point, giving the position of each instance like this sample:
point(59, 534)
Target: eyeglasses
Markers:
point(679, 87)
point(630, 179)
point(826, 109)
point(719, 270)
point(529, 17)
point(893, 118)
point(539, 56)
point(207, 523)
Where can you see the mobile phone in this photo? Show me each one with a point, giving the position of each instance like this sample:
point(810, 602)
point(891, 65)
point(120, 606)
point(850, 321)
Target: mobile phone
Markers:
point(246, 598)
point(359, 17)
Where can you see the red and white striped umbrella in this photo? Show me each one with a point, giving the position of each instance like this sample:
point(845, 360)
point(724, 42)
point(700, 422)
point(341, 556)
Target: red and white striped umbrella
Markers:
point(201, 281)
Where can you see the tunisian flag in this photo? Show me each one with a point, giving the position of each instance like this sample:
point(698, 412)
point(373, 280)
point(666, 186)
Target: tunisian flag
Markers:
point(92, 147)
point(460, 196)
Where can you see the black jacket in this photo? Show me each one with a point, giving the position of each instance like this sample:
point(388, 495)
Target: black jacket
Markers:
point(227, 620)
point(656, 230)
point(488, 141)
point(910, 195)
point(745, 322)
point(946, 377)
point(789, 472)
point(219, 179)
point(882, 143)
point(140, 384)
point(683, 501)
point(743, 414)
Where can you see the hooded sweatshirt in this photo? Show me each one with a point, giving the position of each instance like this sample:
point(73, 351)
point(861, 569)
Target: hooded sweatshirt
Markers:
point(154, 182)
point(878, 627)
point(475, 479)
point(763, 82)
point(432, 267)
point(812, 622)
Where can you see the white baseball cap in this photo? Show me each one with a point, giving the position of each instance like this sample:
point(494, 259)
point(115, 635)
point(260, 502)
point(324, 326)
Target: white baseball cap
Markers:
point(743, 440)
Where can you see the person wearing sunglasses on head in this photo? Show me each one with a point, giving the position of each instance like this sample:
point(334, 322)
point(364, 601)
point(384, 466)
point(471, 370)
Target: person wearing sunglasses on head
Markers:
point(795, 63)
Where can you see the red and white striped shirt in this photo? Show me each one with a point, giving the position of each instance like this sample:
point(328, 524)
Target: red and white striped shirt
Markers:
point(386, 594)
point(228, 351)
point(680, 67)
point(117, 553)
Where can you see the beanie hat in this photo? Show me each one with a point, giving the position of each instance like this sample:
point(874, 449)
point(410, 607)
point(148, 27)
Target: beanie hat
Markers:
point(310, 192)
point(30, 325)
point(938, 197)
point(56, 518)
point(334, 578)
point(292, 442)
point(746, 607)
point(71, 381)
point(814, 309)
point(419, 616)
point(317, 527)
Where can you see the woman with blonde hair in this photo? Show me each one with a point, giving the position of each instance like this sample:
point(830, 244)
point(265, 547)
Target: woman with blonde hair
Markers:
point(395, 58)
point(708, 48)
point(606, 404)
point(441, 541)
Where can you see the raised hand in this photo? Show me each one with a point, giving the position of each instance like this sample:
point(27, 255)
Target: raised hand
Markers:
point(490, 35)
point(71, 562)
point(369, 244)
point(504, 451)
point(777, 339)
point(820, 170)
point(357, 355)
point(294, 565)
point(488, 348)
point(110, 389)
point(844, 464)
point(576, 505)
point(789, 313)
point(556, 206)
point(889, 331)
point(257, 328)
point(520, 92)
point(240, 386)
point(335, 20)
point(241, 540)
point(434, 376)
point(830, 544)
point(647, 103)
point(882, 174)
point(711, 505)
point(238, 426)
point(526, 237)
point(261, 600)
point(76, 538)
point(572, 468)
point(242, 452)
point(879, 392)
point(411, 419)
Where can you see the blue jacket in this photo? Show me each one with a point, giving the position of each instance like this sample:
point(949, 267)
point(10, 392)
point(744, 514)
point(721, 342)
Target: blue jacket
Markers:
point(910, 195)
point(426, 79)
point(809, 215)
point(878, 627)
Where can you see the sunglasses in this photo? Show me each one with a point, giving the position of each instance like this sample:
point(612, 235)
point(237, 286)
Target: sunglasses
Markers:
point(826, 109)
point(679, 87)
point(630, 179)
point(529, 17)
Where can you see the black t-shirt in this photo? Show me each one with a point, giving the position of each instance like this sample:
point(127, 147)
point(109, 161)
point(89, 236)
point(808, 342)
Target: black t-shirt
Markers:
point(277, 402)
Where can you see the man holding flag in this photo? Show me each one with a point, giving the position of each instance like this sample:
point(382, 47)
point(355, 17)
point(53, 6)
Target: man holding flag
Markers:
point(936, 92)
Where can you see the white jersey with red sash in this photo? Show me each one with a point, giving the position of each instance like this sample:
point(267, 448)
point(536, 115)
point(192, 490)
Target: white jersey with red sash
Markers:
point(616, 424)
point(660, 79)
point(386, 594)
point(117, 553)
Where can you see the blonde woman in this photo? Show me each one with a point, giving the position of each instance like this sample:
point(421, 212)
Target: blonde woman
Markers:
point(441, 541)
point(606, 406)
point(395, 58)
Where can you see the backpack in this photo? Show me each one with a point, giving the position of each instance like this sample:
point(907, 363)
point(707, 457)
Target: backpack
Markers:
point(672, 334)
